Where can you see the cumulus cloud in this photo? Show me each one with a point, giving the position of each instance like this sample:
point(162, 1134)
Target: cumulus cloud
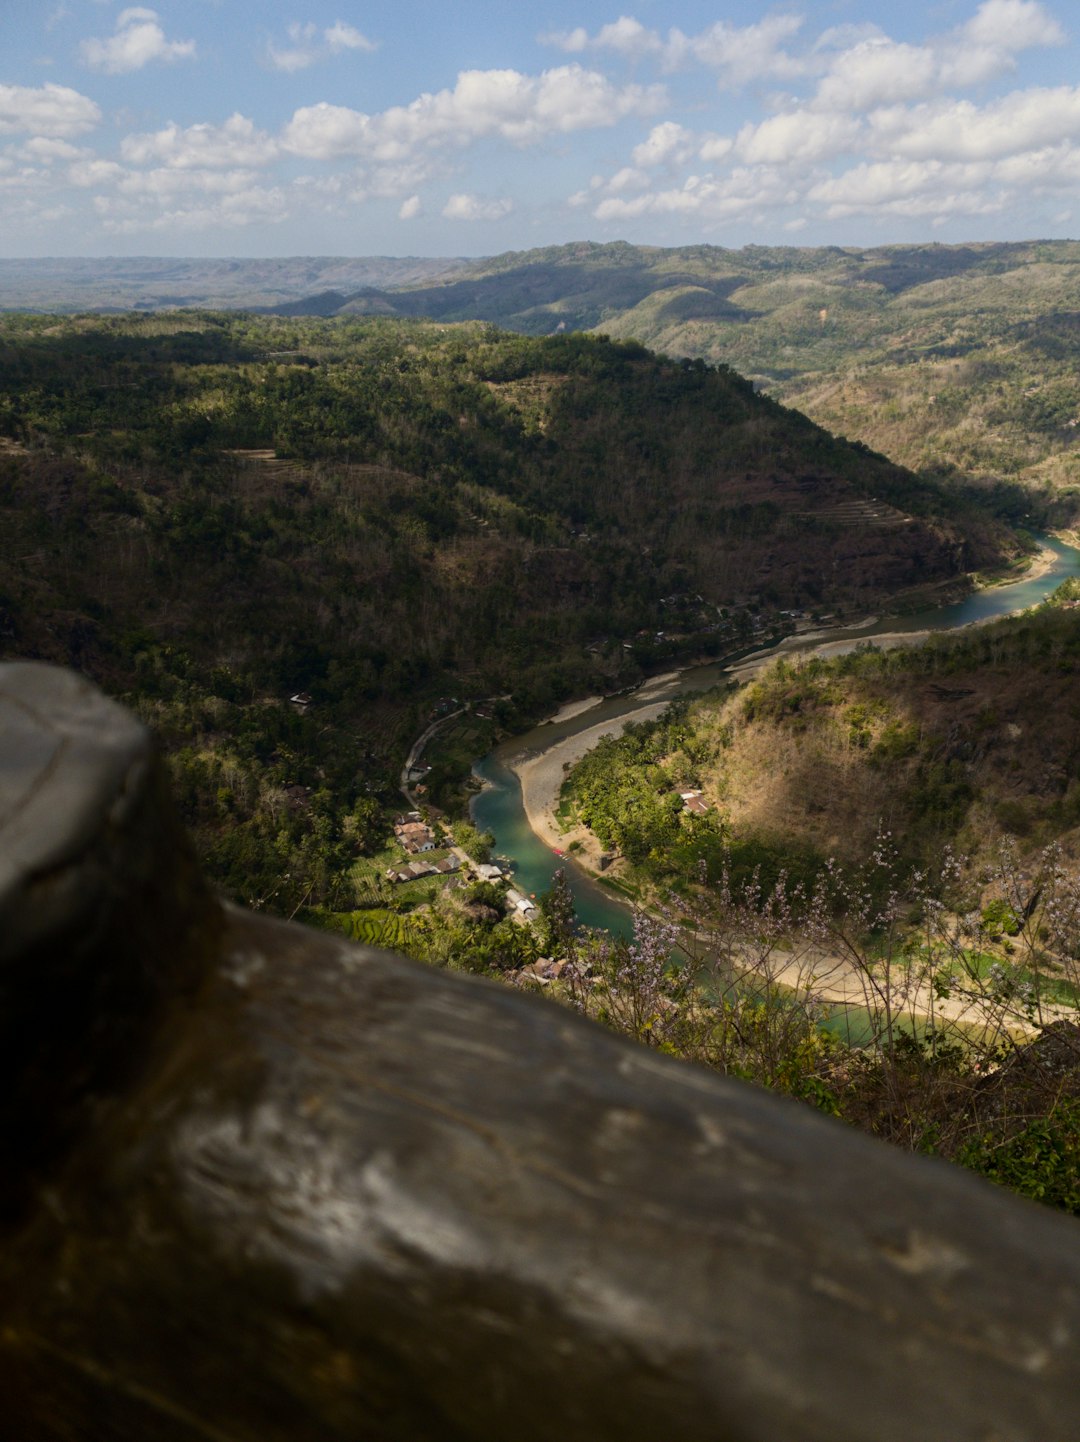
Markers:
point(87, 174)
point(916, 189)
point(54, 111)
point(667, 144)
point(308, 44)
point(715, 147)
point(738, 53)
point(870, 124)
point(472, 207)
point(137, 40)
point(236, 143)
point(44, 151)
point(168, 199)
point(845, 121)
point(628, 178)
point(879, 71)
point(340, 36)
point(627, 36)
point(522, 109)
point(746, 192)
point(959, 130)
point(797, 138)
point(166, 183)
point(743, 53)
point(255, 206)
point(1012, 25)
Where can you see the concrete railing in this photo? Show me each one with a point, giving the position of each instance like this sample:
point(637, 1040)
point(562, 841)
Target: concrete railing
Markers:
point(263, 1185)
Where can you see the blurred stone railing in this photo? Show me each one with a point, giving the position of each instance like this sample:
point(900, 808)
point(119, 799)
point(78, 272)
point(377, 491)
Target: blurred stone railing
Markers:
point(263, 1185)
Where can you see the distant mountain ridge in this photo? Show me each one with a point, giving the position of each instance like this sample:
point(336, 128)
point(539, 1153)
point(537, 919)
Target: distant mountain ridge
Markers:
point(67, 285)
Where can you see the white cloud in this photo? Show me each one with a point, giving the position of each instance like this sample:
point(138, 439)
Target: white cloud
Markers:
point(797, 138)
point(324, 131)
point(251, 205)
point(877, 72)
point(168, 183)
point(522, 109)
point(137, 41)
point(236, 143)
point(1012, 25)
point(471, 207)
point(910, 188)
point(844, 37)
point(410, 208)
point(45, 151)
point(87, 174)
point(667, 144)
point(743, 53)
point(572, 41)
point(915, 146)
point(302, 53)
point(628, 178)
point(745, 193)
point(715, 147)
point(959, 130)
point(1055, 167)
point(628, 37)
point(47, 110)
point(345, 37)
point(738, 53)
point(308, 44)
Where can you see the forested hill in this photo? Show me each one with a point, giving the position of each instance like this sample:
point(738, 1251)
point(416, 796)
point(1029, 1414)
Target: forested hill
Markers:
point(953, 359)
point(212, 513)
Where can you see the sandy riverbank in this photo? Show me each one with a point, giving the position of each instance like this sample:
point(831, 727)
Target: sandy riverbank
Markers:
point(542, 775)
point(572, 709)
point(843, 984)
point(1040, 564)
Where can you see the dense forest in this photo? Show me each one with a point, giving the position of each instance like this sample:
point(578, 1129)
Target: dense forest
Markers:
point(213, 514)
point(955, 360)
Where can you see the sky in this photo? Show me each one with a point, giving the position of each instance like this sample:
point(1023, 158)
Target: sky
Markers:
point(297, 127)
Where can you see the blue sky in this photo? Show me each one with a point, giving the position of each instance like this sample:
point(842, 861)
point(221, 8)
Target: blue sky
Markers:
point(422, 128)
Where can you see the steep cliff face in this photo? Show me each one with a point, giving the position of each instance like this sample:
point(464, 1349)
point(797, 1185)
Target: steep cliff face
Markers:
point(299, 1188)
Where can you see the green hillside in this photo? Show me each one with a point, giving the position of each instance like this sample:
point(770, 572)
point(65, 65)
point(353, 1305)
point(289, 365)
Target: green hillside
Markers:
point(954, 360)
point(942, 357)
point(212, 514)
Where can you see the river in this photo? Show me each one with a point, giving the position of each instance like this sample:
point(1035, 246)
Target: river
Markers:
point(498, 807)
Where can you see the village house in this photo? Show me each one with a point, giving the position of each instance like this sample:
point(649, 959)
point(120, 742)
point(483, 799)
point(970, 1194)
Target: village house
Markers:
point(695, 803)
point(413, 871)
point(415, 836)
point(520, 904)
